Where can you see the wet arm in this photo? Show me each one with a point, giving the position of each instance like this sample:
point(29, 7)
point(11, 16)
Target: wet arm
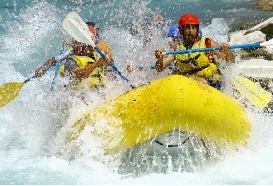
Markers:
point(162, 61)
point(39, 71)
point(225, 53)
point(83, 73)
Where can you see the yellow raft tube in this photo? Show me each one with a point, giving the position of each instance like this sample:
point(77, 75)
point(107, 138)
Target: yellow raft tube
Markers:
point(170, 103)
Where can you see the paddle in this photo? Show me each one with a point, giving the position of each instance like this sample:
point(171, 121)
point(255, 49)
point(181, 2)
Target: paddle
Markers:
point(77, 28)
point(10, 91)
point(251, 91)
point(256, 94)
point(267, 43)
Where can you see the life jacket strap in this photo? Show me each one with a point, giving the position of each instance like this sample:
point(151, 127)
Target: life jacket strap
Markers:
point(193, 71)
point(191, 60)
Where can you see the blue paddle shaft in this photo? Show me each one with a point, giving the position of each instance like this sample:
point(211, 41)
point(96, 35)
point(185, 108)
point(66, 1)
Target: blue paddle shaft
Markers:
point(44, 70)
point(100, 52)
point(212, 49)
point(113, 66)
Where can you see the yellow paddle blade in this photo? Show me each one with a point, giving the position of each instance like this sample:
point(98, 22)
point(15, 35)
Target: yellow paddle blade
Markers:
point(78, 127)
point(253, 92)
point(9, 92)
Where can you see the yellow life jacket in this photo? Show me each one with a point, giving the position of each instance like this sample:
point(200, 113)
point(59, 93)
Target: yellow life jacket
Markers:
point(95, 78)
point(197, 63)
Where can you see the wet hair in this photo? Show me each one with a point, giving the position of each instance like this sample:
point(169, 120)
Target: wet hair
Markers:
point(90, 23)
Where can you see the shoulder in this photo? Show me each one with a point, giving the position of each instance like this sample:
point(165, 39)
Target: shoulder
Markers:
point(210, 42)
point(70, 64)
point(104, 46)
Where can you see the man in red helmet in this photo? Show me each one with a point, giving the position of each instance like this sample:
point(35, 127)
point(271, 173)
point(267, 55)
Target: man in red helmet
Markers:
point(201, 66)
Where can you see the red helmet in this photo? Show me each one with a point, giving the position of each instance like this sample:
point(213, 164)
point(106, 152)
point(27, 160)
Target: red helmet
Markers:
point(93, 33)
point(188, 19)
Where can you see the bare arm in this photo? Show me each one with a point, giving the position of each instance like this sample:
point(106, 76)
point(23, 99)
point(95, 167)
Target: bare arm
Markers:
point(39, 71)
point(82, 73)
point(162, 61)
point(225, 53)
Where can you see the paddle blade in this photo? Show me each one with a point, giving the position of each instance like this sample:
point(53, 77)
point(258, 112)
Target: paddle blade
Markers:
point(267, 43)
point(9, 92)
point(253, 92)
point(77, 28)
point(78, 126)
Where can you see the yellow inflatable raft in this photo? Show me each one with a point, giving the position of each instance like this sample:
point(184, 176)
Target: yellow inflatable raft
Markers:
point(170, 103)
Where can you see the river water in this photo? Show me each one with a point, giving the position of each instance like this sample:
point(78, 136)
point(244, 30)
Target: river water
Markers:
point(32, 126)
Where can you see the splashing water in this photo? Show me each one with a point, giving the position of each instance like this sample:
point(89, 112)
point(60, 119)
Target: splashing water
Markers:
point(34, 127)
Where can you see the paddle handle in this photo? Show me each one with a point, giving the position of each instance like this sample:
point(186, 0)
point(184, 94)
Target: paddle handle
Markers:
point(171, 67)
point(212, 49)
point(44, 70)
point(99, 51)
point(57, 70)
point(113, 66)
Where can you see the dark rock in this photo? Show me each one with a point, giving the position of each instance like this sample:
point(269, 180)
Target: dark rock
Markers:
point(265, 5)
point(257, 53)
point(268, 31)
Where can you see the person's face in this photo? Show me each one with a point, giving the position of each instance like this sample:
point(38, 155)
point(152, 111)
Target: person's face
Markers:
point(190, 33)
point(88, 51)
point(78, 47)
point(173, 41)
